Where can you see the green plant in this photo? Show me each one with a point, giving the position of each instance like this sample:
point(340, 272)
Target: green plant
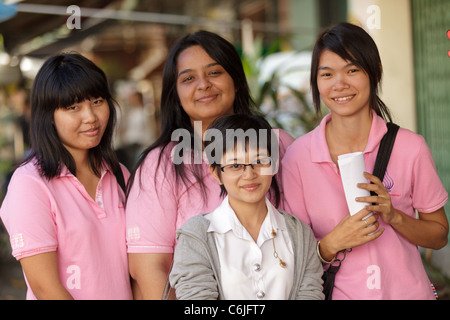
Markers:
point(283, 105)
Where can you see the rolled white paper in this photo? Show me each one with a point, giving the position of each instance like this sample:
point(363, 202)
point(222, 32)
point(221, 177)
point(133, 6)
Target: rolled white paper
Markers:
point(352, 167)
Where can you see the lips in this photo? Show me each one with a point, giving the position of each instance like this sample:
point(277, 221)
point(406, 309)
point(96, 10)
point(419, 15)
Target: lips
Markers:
point(91, 132)
point(343, 99)
point(250, 187)
point(207, 99)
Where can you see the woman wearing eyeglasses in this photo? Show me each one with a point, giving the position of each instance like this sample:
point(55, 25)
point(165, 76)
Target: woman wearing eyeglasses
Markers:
point(246, 248)
point(203, 79)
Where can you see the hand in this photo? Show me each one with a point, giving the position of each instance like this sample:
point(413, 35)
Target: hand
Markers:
point(380, 203)
point(350, 232)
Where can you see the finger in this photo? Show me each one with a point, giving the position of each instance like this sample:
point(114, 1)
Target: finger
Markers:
point(373, 219)
point(374, 235)
point(372, 178)
point(370, 199)
point(360, 214)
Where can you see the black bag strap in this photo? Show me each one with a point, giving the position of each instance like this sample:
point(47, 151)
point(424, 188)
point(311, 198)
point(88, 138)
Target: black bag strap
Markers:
point(120, 179)
point(384, 152)
point(383, 155)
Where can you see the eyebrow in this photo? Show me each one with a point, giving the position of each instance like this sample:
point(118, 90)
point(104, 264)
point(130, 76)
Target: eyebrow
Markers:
point(259, 155)
point(328, 68)
point(204, 67)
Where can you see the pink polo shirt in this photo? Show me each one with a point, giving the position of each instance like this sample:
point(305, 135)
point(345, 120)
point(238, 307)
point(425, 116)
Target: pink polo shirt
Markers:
point(389, 267)
point(60, 216)
point(158, 204)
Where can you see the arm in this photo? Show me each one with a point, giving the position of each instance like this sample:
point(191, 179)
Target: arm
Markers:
point(149, 272)
point(151, 215)
point(192, 275)
point(429, 231)
point(41, 271)
point(311, 286)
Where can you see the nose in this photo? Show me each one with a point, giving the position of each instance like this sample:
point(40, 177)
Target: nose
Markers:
point(89, 115)
point(340, 84)
point(203, 83)
point(249, 171)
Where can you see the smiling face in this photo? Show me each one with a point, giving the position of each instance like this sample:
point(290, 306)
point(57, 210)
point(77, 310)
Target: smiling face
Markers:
point(80, 126)
point(248, 186)
point(205, 89)
point(343, 86)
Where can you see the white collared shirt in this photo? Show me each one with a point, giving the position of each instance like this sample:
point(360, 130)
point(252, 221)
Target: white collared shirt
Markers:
point(249, 270)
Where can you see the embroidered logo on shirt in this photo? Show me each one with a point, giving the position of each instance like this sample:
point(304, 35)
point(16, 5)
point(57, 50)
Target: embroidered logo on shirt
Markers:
point(388, 182)
point(17, 241)
point(133, 233)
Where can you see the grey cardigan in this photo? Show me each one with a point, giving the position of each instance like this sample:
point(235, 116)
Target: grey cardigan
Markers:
point(195, 273)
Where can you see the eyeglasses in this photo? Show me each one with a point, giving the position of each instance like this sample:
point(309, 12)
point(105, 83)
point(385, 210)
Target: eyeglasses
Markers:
point(239, 168)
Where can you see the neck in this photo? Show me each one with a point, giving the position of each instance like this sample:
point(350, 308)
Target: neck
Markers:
point(251, 215)
point(347, 135)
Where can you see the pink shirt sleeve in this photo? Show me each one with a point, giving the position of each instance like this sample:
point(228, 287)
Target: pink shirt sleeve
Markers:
point(428, 193)
point(28, 217)
point(294, 202)
point(151, 210)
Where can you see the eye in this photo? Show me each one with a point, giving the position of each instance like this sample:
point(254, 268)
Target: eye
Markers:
point(215, 73)
point(72, 107)
point(353, 70)
point(98, 101)
point(187, 79)
point(325, 75)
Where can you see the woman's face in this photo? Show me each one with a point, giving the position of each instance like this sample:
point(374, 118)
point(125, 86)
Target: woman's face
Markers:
point(206, 91)
point(80, 126)
point(343, 87)
point(249, 184)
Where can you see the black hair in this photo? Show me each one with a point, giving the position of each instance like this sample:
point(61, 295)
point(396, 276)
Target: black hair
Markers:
point(227, 126)
point(65, 79)
point(173, 115)
point(354, 44)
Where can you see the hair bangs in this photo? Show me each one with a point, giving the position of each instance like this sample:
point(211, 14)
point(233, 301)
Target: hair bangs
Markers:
point(74, 84)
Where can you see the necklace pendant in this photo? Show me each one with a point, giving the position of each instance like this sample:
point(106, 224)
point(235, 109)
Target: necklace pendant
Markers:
point(273, 233)
point(283, 264)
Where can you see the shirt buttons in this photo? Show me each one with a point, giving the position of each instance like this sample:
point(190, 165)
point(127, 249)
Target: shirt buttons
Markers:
point(260, 295)
point(256, 267)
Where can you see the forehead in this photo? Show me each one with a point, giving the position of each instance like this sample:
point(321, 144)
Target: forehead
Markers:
point(193, 57)
point(244, 153)
point(329, 59)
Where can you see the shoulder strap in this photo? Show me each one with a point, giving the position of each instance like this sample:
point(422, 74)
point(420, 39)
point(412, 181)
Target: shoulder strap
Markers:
point(384, 152)
point(120, 179)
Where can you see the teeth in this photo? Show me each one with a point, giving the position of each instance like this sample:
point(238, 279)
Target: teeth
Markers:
point(343, 98)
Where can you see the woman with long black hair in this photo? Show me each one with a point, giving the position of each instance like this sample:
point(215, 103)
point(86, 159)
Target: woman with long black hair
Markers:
point(203, 79)
point(64, 209)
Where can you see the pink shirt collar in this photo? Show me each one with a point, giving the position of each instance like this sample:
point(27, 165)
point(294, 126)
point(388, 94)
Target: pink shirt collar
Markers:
point(319, 146)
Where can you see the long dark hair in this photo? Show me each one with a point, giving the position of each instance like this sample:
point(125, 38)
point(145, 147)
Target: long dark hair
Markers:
point(173, 115)
point(353, 44)
point(227, 126)
point(65, 79)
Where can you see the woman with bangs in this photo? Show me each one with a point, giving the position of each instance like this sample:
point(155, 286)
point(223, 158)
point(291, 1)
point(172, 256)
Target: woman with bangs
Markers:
point(407, 206)
point(64, 209)
point(245, 249)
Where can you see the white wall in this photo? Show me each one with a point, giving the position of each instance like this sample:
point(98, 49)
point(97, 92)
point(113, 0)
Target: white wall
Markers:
point(389, 23)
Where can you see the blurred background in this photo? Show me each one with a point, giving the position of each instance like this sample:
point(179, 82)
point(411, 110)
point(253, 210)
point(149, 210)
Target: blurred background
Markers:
point(130, 40)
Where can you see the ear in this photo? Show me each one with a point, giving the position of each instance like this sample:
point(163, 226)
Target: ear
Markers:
point(215, 174)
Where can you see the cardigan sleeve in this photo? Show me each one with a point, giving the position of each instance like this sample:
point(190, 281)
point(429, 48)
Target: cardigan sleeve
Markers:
point(192, 275)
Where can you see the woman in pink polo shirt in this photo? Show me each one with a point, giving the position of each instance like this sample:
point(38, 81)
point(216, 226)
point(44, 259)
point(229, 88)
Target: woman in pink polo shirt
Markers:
point(64, 209)
point(384, 262)
point(203, 79)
